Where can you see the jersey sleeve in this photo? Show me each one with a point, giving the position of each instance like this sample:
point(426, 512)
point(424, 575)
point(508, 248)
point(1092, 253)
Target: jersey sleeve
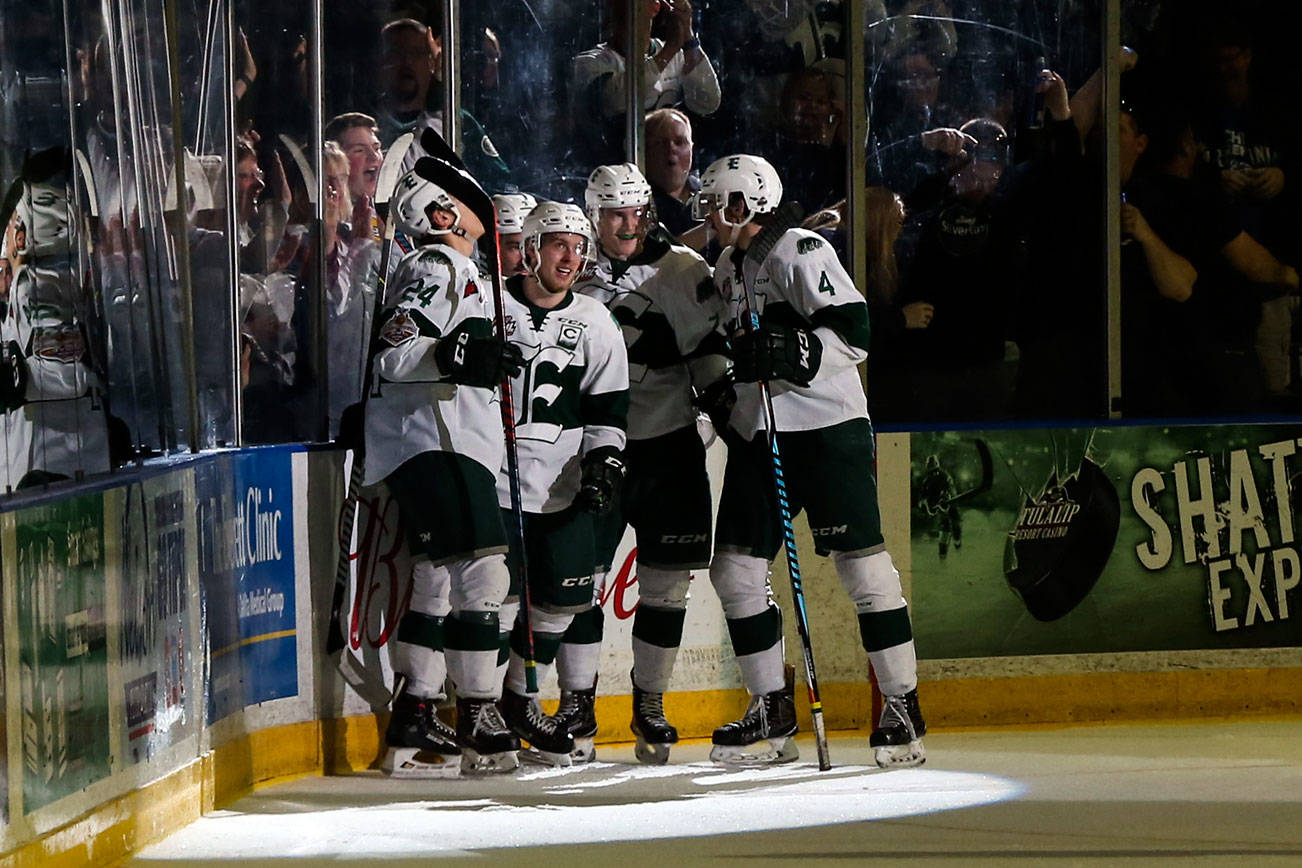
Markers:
point(603, 402)
point(817, 285)
point(409, 329)
point(701, 92)
point(697, 319)
point(597, 82)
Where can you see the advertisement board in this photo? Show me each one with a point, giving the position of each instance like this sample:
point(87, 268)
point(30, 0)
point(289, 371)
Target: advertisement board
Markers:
point(157, 649)
point(1105, 540)
point(59, 598)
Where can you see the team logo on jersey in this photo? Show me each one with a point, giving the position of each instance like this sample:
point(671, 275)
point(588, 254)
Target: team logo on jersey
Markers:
point(808, 245)
point(62, 343)
point(400, 328)
point(509, 324)
point(571, 331)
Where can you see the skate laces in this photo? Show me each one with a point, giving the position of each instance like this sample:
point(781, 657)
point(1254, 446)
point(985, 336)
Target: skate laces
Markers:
point(534, 714)
point(489, 718)
point(652, 706)
point(895, 715)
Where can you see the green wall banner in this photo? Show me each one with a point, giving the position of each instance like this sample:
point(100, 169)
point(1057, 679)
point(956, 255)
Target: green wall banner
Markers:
point(1104, 540)
point(62, 650)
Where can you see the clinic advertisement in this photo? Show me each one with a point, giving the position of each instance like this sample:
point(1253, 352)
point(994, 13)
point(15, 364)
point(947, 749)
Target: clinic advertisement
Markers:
point(246, 569)
point(218, 585)
point(59, 598)
point(156, 648)
point(1105, 540)
point(263, 557)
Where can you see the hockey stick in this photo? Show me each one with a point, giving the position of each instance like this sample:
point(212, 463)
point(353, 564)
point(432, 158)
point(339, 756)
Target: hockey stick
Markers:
point(482, 205)
point(987, 474)
point(385, 183)
point(787, 216)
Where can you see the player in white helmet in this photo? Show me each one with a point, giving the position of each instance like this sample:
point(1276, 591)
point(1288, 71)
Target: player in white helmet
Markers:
point(434, 435)
point(511, 209)
point(812, 335)
point(662, 296)
point(571, 401)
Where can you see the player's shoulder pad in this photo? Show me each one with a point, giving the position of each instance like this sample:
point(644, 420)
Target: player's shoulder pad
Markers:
point(802, 242)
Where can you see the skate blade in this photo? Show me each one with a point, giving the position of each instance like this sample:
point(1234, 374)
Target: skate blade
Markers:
point(416, 763)
point(584, 751)
point(766, 752)
point(899, 756)
point(652, 754)
point(474, 763)
point(536, 757)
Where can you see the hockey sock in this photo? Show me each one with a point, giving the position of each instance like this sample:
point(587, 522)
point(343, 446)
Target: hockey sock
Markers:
point(888, 639)
point(418, 647)
point(505, 623)
point(472, 647)
point(579, 655)
point(657, 633)
point(874, 586)
point(757, 642)
point(548, 628)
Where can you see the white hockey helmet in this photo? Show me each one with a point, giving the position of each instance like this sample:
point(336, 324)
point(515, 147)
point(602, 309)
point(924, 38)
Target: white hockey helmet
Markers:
point(752, 177)
point(547, 218)
point(511, 209)
point(621, 185)
point(412, 198)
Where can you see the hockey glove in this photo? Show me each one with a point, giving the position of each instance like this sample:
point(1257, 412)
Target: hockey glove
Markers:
point(476, 361)
point(603, 477)
point(717, 400)
point(776, 352)
point(13, 377)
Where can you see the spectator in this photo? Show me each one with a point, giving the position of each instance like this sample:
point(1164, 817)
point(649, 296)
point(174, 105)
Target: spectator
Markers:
point(675, 71)
point(1225, 276)
point(812, 140)
point(412, 64)
point(669, 168)
point(1251, 146)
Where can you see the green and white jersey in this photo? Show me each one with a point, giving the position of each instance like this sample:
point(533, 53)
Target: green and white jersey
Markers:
point(413, 408)
point(570, 398)
point(800, 283)
point(665, 303)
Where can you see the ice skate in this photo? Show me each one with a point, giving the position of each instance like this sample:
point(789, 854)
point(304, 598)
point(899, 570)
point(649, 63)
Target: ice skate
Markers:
point(655, 735)
point(897, 740)
point(420, 744)
point(487, 745)
point(549, 743)
point(577, 714)
point(763, 736)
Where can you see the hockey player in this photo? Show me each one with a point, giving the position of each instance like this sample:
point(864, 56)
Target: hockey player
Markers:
point(571, 401)
point(662, 296)
point(434, 435)
point(511, 209)
point(812, 335)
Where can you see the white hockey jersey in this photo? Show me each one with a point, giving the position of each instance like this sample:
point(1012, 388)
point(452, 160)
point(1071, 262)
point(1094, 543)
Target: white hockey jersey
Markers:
point(800, 283)
point(413, 408)
point(665, 303)
point(697, 91)
point(570, 398)
point(61, 428)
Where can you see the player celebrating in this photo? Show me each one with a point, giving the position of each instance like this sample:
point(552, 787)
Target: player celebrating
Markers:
point(662, 296)
point(812, 335)
point(434, 435)
point(571, 401)
point(511, 209)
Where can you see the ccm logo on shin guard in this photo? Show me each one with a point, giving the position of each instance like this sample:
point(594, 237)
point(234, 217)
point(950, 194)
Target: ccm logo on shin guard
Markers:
point(829, 531)
point(684, 538)
point(576, 582)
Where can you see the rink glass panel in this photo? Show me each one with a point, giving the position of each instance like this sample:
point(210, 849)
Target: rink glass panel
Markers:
point(984, 265)
point(277, 169)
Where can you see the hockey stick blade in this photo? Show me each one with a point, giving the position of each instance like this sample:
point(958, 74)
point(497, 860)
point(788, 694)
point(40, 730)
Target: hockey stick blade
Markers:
point(437, 146)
